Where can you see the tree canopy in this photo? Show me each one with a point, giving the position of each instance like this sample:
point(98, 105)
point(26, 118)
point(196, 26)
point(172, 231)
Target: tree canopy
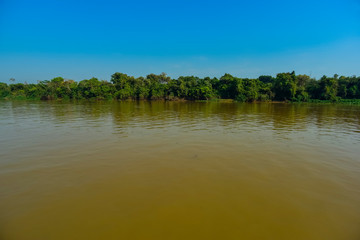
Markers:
point(285, 86)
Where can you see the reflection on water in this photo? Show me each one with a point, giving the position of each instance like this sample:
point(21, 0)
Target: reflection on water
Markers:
point(175, 170)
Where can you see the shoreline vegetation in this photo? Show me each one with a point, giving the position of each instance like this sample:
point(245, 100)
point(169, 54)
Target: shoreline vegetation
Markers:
point(285, 87)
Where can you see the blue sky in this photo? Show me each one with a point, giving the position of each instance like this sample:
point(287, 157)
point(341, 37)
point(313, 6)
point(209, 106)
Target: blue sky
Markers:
point(80, 39)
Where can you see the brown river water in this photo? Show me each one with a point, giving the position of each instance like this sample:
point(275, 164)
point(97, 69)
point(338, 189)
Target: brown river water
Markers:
point(179, 170)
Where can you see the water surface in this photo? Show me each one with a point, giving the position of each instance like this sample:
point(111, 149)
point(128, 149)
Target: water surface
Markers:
point(175, 170)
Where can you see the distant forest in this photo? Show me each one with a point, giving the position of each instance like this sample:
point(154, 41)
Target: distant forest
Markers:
point(283, 87)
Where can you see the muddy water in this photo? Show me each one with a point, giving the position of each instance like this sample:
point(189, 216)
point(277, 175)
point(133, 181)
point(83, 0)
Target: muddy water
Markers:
point(174, 170)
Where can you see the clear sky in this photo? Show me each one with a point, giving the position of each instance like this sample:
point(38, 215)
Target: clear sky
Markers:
point(80, 39)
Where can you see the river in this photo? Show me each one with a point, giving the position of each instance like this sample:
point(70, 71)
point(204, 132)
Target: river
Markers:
point(179, 170)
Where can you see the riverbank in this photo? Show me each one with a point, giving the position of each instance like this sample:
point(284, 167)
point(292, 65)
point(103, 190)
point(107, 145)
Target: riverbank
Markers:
point(287, 87)
point(317, 101)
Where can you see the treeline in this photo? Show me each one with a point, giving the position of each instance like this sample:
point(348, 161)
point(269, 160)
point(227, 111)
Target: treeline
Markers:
point(283, 87)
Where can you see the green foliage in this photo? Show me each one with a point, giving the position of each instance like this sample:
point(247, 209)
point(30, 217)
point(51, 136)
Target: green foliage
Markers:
point(5, 90)
point(266, 79)
point(328, 88)
point(285, 87)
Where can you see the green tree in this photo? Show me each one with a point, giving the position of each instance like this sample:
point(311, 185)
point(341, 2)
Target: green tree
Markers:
point(328, 88)
point(285, 86)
